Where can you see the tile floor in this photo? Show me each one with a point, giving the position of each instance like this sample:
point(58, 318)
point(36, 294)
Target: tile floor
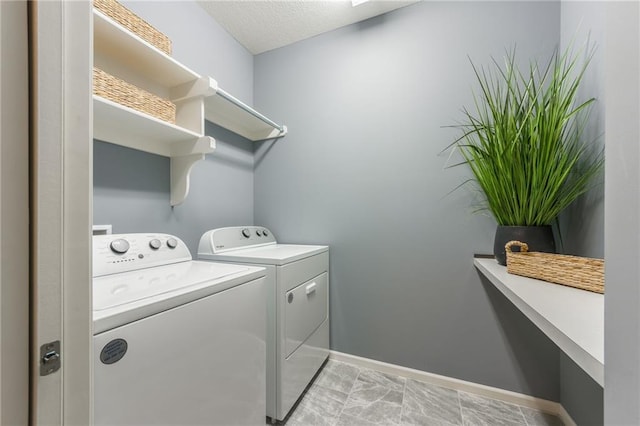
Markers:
point(346, 395)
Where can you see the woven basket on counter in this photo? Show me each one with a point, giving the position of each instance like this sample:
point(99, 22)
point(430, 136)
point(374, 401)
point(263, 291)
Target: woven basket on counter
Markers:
point(134, 23)
point(112, 88)
point(573, 271)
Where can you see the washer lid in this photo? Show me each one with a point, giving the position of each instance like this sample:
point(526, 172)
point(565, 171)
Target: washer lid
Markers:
point(274, 254)
point(128, 287)
point(122, 298)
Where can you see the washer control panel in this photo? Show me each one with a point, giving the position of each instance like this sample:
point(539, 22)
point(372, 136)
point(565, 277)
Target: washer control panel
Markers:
point(233, 238)
point(127, 252)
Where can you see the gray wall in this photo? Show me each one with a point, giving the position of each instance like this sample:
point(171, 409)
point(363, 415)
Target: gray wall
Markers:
point(622, 187)
point(583, 27)
point(580, 395)
point(131, 188)
point(360, 170)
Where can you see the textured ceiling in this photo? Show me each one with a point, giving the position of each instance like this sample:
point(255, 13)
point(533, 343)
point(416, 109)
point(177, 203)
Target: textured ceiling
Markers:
point(268, 24)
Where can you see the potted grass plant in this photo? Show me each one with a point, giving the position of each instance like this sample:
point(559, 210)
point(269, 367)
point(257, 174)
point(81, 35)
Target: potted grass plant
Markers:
point(523, 142)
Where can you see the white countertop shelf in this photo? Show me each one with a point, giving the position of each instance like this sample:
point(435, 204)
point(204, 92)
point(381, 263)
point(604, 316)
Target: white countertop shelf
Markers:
point(123, 46)
point(573, 319)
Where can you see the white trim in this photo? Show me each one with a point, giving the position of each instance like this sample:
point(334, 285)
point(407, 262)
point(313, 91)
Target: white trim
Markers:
point(61, 148)
point(14, 214)
point(622, 212)
point(544, 405)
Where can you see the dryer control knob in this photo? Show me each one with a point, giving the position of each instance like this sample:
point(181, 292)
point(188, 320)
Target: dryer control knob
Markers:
point(155, 244)
point(119, 246)
point(246, 233)
point(265, 232)
point(172, 243)
point(258, 233)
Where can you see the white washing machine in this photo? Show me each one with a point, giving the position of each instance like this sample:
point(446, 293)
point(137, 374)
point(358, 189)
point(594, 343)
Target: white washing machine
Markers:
point(176, 341)
point(297, 305)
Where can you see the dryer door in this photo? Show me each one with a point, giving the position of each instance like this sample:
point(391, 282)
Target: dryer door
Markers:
point(306, 307)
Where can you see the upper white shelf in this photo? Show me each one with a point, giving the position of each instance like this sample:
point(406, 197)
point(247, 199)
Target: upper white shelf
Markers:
point(123, 46)
point(225, 110)
point(125, 55)
point(572, 318)
point(120, 50)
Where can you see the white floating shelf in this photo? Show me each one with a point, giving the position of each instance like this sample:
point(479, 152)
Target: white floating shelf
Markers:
point(226, 111)
point(124, 126)
point(127, 56)
point(122, 46)
point(118, 49)
point(573, 319)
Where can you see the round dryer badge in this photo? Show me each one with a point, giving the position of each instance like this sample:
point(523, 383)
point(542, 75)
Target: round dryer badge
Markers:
point(113, 351)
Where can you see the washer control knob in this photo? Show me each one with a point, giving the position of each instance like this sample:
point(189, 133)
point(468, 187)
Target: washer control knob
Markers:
point(172, 243)
point(265, 232)
point(155, 244)
point(258, 233)
point(246, 233)
point(119, 246)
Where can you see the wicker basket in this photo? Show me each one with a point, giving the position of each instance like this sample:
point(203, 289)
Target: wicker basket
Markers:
point(573, 271)
point(116, 90)
point(134, 23)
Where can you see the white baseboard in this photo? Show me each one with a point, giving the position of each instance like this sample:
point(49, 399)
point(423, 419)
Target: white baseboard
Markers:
point(547, 406)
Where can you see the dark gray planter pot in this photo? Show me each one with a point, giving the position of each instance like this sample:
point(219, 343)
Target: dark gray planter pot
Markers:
point(538, 238)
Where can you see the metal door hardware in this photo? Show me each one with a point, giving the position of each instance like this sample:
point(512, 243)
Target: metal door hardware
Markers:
point(49, 358)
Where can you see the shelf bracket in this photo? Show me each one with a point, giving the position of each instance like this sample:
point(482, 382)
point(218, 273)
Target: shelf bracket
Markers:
point(202, 87)
point(183, 159)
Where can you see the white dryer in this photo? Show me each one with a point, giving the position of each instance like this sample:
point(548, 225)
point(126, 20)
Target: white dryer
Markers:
point(297, 305)
point(176, 341)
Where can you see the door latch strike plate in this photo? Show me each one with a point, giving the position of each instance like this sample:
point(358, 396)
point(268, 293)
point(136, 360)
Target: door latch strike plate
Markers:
point(49, 358)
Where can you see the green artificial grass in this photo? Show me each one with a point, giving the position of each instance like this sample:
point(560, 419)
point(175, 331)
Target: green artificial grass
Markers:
point(524, 139)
